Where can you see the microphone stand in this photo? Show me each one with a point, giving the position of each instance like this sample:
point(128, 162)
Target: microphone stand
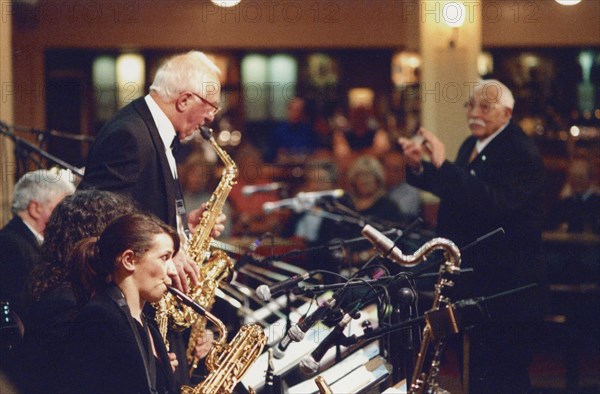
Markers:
point(321, 248)
point(54, 133)
point(27, 148)
point(404, 309)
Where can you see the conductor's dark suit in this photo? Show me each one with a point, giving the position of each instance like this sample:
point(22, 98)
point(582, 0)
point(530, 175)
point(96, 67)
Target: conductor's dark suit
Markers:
point(501, 187)
point(128, 157)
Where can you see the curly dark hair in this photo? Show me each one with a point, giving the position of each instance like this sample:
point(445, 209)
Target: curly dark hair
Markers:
point(83, 214)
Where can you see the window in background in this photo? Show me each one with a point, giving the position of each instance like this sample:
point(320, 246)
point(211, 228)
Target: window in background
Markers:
point(104, 78)
point(268, 82)
point(131, 77)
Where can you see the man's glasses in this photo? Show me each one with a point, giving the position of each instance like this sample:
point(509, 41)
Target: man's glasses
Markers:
point(485, 107)
point(215, 109)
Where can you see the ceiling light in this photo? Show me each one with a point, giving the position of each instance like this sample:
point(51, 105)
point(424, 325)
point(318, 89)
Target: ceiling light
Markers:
point(226, 3)
point(568, 2)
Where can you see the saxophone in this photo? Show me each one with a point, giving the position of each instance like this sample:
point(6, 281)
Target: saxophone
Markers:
point(424, 382)
point(214, 265)
point(226, 363)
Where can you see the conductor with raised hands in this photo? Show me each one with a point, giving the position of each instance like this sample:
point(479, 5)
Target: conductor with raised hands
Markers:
point(496, 181)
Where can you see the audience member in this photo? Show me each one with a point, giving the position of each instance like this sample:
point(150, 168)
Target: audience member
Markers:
point(367, 202)
point(249, 218)
point(571, 257)
point(357, 135)
point(115, 347)
point(321, 175)
point(294, 139)
point(33, 200)
point(579, 207)
point(407, 197)
point(496, 182)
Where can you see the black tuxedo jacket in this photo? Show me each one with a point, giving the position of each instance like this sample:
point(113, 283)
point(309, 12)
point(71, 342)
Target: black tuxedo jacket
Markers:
point(129, 157)
point(19, 253)
point(105, 357)
point(501, 187)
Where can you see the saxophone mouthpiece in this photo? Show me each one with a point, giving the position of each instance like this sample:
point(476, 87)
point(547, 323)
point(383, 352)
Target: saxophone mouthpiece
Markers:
point(206, 132)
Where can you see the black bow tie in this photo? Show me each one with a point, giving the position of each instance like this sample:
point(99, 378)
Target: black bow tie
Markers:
point(175, 144)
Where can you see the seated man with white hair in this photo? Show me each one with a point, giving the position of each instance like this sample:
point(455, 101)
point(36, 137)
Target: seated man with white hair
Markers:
point(495, 182)
point(33, 200)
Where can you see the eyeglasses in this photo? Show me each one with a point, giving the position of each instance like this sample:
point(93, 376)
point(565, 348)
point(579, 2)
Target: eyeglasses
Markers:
point(215, 109)
point(484, 106)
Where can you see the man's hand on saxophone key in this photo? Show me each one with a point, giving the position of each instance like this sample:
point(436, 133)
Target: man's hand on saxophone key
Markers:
point(173, 361)
point(195, 216)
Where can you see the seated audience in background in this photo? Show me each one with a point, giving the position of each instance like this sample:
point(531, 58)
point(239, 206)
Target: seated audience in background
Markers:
point(359, 134)
point(115, 347)
point(576, 213)
point(33, 200)
point(321, 175)
point(368, 203)
point(578, 210)
point(199, 179)
point(249, 219)
point(407, 197)
point(294, 139)
point(55, 304)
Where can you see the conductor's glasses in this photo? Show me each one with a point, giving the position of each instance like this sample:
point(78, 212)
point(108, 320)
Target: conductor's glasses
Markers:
point(484, 106)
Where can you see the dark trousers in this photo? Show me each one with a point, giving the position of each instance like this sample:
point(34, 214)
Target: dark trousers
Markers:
point(499, 355)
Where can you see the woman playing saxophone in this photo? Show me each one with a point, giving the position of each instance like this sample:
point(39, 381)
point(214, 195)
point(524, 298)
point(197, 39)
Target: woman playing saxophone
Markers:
point(114, 348)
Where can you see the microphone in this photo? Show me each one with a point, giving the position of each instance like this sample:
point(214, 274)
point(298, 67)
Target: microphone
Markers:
point(385, 246)
point(268, 187)
point(248, 257)
point(296, 333)
point(310, 363)
point(265, 292)
point(302, 201)
point(317, 289)
point(187, 300)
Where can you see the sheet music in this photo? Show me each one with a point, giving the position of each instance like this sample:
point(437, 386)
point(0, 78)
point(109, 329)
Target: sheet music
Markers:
point(360, 379)
point(255, 377)
point(333, 374)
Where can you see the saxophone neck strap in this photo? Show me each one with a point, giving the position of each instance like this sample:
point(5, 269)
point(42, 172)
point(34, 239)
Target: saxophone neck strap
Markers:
point(180, 211)
point(145, 352)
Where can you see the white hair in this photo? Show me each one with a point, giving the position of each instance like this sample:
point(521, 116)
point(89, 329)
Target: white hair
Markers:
point(495, 91)
point(42, 186)
point(192, 71)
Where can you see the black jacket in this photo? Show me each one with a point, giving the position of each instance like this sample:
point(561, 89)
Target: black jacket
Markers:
point(501, 188)
point(105, 356)
point(128, 157)
point(19, 253)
